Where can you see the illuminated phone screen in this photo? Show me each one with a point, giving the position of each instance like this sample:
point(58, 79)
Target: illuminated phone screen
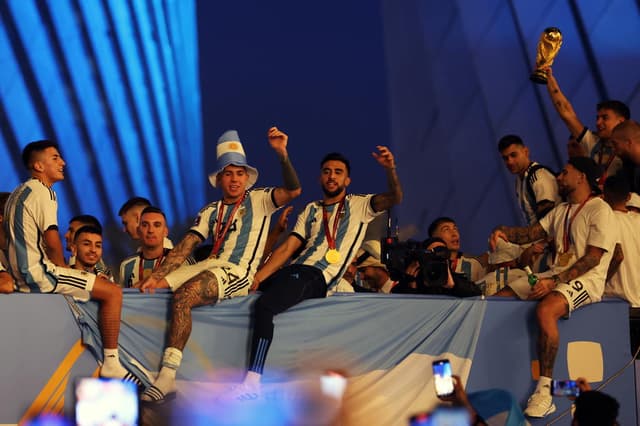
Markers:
point(442, 377)
point(106, 401)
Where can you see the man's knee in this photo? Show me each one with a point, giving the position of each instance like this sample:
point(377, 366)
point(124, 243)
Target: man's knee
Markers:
point(104, 290)
point(553, 307)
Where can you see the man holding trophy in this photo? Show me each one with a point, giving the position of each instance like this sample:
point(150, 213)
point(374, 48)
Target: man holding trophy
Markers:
point(609, 113)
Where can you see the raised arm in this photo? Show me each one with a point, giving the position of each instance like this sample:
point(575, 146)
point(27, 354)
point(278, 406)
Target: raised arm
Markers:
point(291, 184)
point(277, 259)
point(175, 258)
point(386, 200)
point(563, 106)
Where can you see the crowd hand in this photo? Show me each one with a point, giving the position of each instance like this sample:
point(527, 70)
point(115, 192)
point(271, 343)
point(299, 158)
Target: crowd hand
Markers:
point(278, 140)
point(543, 287)
point(384, 157)
point(459, 396)
point(583, 385)
point(494, 237)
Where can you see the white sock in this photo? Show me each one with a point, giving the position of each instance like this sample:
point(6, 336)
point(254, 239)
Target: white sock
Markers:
point(252, 379)
point(542, 383)
point(111, 366)
point(166, 380)
point(172, 358)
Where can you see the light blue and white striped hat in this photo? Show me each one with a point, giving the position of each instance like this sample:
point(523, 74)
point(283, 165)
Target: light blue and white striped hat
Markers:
point(230, 152)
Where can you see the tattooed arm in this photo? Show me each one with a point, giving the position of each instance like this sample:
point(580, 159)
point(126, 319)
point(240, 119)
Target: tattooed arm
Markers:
point(590, 260)
point(393, 196)
point(563, 106)
point(175, 258)
point(544, 207)
point(291, 184)
point(519, 235)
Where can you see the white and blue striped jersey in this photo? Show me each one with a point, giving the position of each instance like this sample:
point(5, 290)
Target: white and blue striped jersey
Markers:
point(31, 209)
point(244, 242)
point(352, 225)
point(130, 267)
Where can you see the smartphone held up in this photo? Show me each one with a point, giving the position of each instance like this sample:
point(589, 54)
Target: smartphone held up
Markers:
point(565, 388)
point(442, 378)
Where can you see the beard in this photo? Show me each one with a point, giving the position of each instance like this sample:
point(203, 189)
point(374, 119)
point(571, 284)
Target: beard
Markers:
point(564, 191)
point(334, 193)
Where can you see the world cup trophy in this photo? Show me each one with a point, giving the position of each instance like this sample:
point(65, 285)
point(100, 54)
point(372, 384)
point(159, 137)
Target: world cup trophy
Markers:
point(548, 47)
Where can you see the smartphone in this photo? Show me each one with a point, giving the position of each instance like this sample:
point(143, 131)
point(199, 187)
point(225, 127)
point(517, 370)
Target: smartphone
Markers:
point(101, 401)
point(333, 384)
point(564, 388)
point(442, 378)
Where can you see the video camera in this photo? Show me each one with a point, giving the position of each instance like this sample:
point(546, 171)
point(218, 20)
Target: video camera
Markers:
point(398, 255)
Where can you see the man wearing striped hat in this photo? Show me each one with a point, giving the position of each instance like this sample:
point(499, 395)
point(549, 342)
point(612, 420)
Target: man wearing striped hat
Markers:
point(327, 233)
point(238, 224)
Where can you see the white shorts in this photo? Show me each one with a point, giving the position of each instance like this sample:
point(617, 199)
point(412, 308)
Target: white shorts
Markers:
point(574, 291)
point(232, 281)
point(74, 282)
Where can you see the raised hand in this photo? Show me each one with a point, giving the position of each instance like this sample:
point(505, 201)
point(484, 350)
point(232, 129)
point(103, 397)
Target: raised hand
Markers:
point(384, 157)
point(278, 140)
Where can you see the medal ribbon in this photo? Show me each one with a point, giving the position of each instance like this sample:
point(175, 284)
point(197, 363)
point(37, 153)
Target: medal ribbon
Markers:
point(157, 262)
point(331, 238)
point(567, 224)
point(603, 177)
point(219, 235)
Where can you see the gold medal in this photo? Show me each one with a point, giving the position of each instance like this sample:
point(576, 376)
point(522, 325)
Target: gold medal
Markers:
point(332, 256)
point(563, 258)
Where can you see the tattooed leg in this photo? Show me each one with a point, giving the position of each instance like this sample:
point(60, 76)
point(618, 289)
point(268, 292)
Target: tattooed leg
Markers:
point(198, 291)
point(550, 309)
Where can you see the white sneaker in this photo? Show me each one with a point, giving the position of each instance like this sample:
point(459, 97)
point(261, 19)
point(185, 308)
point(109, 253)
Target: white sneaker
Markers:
point(540, 403)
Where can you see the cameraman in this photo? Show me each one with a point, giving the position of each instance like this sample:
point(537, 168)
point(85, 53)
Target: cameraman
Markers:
point(454, 284)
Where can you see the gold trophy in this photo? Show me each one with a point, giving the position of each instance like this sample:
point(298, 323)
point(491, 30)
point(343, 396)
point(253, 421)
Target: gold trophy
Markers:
point(548, 47)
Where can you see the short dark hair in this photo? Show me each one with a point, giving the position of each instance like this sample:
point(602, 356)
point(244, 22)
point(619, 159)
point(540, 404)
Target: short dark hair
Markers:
point(618, 107)
point(336, 156)
point(616, 188)
point(508, 140)
point(33, 148)
point(88, 229)
point(133, 202)
point(4, 196)
point(594, 408)
point(88, 220)
point(439, 221)
point(153, 209)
